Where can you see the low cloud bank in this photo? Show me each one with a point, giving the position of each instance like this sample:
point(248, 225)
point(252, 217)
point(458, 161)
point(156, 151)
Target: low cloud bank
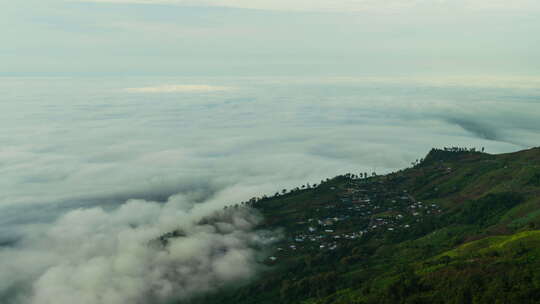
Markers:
point(178, 89)
point(91, 256)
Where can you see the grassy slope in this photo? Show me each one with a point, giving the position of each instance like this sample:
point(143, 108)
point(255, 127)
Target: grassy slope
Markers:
point(483, 247)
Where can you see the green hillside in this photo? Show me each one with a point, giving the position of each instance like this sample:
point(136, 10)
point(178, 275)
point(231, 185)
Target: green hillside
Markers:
point(460, 226)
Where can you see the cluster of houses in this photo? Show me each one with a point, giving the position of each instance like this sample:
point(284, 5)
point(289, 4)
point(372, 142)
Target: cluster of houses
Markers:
point(460, 149)
point(363, 207)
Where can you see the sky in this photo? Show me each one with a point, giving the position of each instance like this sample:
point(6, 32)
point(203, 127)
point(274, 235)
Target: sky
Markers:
point(265, 37)
point(123, 120)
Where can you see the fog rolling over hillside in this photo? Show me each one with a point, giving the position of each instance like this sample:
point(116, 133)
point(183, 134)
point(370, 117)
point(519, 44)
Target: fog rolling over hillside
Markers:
point(91, 256)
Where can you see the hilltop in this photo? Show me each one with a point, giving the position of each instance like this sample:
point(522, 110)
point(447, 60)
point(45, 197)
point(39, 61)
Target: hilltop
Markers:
point(459, 226)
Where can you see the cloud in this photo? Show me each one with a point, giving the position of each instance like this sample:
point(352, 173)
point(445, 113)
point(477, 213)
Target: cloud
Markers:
point(109, 145)
point(93, 256)
point(486, 132)
point(469, 81)
point(178, 89)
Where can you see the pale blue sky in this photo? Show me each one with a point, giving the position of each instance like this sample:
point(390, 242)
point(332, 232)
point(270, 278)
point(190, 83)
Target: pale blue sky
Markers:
point(254, 38)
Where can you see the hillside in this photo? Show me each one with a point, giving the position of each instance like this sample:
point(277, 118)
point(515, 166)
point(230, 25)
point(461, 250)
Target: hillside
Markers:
point(460, 226)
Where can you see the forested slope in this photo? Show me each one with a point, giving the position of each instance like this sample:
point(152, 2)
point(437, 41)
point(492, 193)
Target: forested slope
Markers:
point(459, 226)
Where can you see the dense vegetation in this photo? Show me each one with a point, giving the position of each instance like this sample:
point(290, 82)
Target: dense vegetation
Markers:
point(460, 226)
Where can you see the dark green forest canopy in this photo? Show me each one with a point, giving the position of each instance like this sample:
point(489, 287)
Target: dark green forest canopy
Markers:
point(459, 226)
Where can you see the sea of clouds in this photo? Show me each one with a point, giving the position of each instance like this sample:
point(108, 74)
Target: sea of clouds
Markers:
point(94, 170)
